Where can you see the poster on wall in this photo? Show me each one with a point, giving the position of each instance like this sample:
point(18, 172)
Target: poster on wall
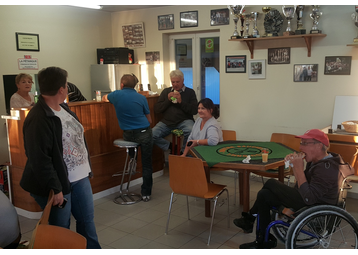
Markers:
point(133, 35)
point(152, 57)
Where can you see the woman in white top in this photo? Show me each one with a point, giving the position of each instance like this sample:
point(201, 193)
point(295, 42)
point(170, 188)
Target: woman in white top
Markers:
point(206, 129)
point(23, 97)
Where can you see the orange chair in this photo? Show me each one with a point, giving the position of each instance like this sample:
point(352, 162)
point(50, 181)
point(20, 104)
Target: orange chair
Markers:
point(348, 153)
point(187, 177)
point(53, 237)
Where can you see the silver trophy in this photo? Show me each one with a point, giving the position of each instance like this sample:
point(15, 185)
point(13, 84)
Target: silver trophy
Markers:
point(236, 10)
point(255, 31)
point(315, 16)
point(289, 13)
point(299, 12)
point(248, 19)
point(355, 19)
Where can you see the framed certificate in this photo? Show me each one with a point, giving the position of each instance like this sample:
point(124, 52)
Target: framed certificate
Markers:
point(27, 42)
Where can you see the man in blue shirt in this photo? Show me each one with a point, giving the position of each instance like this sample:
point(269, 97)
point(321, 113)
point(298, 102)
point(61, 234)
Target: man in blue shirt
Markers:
point(134, 119)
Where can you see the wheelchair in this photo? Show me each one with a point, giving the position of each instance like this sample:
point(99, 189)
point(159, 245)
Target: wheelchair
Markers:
point(317, 226)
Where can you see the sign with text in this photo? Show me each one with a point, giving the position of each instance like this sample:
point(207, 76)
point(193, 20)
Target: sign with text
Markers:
point(28, 64)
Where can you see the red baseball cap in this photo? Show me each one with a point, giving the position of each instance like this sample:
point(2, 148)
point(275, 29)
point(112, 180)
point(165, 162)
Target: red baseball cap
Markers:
point(317, 135)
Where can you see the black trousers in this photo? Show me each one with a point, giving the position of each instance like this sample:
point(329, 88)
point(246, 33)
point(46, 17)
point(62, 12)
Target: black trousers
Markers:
point(274, 194)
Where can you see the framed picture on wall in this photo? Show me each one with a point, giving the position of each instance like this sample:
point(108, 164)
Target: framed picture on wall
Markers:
point(189, 19)
point(236, 64)
point(133, 35)
point(27, 42)
point(166, 22)
point(219, 17)
point(279, 56)
point(257, 69)
point(305, 73)
point(337, 65)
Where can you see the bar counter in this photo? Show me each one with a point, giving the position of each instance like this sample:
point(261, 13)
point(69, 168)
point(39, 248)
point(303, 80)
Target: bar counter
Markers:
point(101, 128)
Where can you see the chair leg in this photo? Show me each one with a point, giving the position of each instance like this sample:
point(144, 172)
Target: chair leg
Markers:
point(187, 206)
point(170, 209)
point(262, 178)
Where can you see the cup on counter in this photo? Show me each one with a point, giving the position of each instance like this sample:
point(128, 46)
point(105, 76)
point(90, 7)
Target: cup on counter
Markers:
point(264, 155)
point(98, 96)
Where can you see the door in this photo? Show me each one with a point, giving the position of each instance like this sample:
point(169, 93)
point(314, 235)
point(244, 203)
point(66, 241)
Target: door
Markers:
point(197, 56)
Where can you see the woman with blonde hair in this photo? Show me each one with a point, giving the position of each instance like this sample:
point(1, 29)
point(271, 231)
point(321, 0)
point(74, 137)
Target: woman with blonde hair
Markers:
point(22, 97)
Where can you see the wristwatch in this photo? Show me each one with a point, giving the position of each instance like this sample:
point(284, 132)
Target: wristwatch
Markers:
point(197, 142)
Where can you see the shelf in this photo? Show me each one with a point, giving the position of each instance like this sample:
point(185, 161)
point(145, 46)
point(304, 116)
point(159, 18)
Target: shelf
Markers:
point(307, 37)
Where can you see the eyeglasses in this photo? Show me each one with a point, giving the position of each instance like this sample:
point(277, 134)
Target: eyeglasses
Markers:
point(307, 143)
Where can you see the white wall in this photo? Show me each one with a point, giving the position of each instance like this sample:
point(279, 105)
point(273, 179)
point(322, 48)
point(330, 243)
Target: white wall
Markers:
point(257, 108)
point(69, 37)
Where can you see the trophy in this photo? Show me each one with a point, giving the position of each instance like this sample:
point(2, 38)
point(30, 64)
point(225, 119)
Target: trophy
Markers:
point(255, 31)
point(355, 18)
point(315, 15)
point(248, 18)
point(289, 13)
point(265, 10)
point(236, 10)
point(299, 12)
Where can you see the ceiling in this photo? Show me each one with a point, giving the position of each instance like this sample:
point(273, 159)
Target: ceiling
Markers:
point(118, 8)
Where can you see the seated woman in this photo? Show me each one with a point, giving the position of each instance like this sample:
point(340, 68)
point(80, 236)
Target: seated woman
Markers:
point(206, 129)
point(23, 97)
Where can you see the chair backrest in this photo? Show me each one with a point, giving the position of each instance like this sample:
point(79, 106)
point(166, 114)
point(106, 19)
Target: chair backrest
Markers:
point(286, 139)
point(229, 135)
point(47, 236)
point(348, 152)
point(187, 176)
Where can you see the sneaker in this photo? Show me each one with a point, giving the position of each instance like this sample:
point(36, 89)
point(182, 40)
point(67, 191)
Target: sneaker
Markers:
point(145, 198)
point(271, 243)
point(246, 222)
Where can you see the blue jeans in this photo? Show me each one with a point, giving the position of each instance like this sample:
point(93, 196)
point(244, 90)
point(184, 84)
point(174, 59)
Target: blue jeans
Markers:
point(145, 139)
point(80, 203)
point(161, 130)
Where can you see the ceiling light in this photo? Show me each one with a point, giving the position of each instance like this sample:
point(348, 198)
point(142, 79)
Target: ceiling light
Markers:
point(91, 6)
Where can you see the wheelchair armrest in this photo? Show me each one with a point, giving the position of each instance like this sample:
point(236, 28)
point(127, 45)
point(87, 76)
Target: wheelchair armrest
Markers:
point(352, 178)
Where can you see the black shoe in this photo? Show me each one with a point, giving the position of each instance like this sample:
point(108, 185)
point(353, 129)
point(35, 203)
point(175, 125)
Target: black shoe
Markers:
point(246, 222)
point(260, 244)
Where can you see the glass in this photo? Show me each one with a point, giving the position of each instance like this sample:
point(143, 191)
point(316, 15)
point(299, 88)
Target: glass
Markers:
point(264, 155)
point(306, 143)
point(184, 59)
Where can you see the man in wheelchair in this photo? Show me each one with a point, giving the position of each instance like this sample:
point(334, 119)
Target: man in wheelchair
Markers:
point(319, 183)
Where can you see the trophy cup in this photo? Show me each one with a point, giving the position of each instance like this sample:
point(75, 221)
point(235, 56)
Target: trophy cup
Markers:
point(355, 18)
point(265, 10)
point(299, 12)
point(236, 10)
point(315, 15)
point(255, 31)
point(248, 18)
point(289, 13)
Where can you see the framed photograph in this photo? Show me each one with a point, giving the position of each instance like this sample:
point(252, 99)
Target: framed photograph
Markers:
point(181, 50)
point(189, 19)
point(279, 56)
point(337, 65)
point(236, 64)
point(152, 57)
point(133, 35)
point(27, 42)
point(257, 69)
point(166, 22)
point(305, 73)
point(219, 17)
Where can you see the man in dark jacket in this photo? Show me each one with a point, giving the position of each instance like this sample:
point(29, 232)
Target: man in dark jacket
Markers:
point(58, 158)
point(178, 104)
point(318, 184)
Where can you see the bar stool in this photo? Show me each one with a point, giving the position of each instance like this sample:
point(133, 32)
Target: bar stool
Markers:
point(177, 134)
point(125, 197)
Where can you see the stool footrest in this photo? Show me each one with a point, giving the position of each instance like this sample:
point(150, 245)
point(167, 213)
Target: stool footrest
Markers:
point(127, 198)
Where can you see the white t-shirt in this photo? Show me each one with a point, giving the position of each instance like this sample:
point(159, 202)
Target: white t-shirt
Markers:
point(75, 153)
point(17, 101)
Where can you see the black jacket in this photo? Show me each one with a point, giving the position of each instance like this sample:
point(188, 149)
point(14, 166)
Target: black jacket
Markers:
point(45, 168)
point(173, 114)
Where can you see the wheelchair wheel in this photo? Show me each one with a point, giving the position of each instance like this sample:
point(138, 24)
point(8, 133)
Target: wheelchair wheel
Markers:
point(323, 226)
point(280, 231)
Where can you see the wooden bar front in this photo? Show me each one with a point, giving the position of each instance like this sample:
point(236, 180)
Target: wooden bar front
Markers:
point(101, 128)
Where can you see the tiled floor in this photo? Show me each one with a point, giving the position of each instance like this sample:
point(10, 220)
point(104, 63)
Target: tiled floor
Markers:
point(142, 225)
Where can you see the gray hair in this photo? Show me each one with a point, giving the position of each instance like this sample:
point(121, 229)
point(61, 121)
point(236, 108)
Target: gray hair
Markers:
point(176, 73)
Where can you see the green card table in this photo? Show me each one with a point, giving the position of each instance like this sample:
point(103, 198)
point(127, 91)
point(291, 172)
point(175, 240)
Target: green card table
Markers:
point(229, 156)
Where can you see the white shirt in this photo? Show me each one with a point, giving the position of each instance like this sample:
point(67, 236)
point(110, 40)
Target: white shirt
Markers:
point(17, 101)
point(75, 153)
